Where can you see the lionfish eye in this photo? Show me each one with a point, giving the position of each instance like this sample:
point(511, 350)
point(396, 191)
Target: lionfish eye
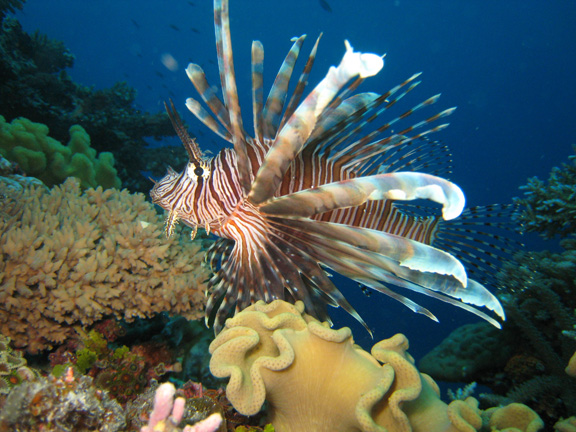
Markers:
point(199, 171)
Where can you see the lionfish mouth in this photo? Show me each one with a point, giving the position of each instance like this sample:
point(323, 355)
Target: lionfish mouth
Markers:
point(324, 184)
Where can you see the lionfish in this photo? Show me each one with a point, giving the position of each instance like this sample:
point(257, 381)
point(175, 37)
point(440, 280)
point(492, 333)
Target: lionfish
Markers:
point(320, 187)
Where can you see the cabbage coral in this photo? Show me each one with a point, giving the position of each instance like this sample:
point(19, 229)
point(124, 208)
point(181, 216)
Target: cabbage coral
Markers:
point(71, 258)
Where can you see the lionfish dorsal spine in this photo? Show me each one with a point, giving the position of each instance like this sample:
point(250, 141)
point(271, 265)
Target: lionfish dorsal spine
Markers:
point(291, 139)
point(324, 184)
point(229, 90)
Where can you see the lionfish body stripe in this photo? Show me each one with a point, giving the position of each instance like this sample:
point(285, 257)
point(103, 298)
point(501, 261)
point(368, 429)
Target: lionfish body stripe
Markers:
point(324, 185)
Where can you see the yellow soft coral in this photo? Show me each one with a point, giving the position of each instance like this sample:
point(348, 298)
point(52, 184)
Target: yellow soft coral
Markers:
point(73, 258)
point(41, 156)
point(316, 379)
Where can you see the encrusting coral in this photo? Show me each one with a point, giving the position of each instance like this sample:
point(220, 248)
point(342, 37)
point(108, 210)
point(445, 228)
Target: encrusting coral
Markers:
point(316, 379)
point(28, 144)
point(74, 258)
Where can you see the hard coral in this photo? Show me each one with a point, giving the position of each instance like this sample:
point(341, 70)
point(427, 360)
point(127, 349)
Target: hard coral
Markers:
point(74, 258)
point(550, 208)
point(28, 144)
point(316, 379)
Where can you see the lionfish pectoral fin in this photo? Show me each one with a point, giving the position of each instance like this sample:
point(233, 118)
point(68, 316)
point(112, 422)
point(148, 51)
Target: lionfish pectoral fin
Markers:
point(373, 257)
point(292, 137)
point(354, 192)
point(171, 222)
point(388, 248)
point(412, 305)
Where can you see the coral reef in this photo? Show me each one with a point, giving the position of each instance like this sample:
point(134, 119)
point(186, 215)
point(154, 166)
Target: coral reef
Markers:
point(8, 6)
point(12, 186)
point(168, 412)
point(124, 372)
point(532, 355)
point(34, 84)
point(13, 367)
point(549, 208)
point(28, 144)
point(464, 355)
point(61, 404)
point(316, 378)
point(74, 258)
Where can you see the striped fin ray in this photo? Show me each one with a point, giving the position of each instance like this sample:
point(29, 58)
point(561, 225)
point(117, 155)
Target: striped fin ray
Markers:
point(326, 157)
point(413, 256)
point(424, 155)
point(277, 96)
point(357, 258)
point(334, 129)
point(229, 90)
point(295, 133)
point(480, 238)
point(257, 89)
point(311, 167)
point(208, 95)
point(281, 268)
point(366, 149)
point(194, 152)
point(354, 192)
point(301, 85)
point(201, 114)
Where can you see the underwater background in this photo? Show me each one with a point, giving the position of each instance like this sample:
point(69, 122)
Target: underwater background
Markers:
point(508, 66)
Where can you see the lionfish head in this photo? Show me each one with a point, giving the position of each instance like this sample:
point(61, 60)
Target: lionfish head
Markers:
point(172, 191)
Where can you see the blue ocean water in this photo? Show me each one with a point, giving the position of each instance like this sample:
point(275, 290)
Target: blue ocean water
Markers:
point(508, 66)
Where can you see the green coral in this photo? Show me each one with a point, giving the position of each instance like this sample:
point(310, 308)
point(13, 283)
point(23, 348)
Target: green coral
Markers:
point(549, 208)
point(28, 144)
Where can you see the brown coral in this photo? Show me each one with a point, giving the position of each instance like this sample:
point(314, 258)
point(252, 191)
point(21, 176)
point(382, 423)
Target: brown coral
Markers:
point(73, 258)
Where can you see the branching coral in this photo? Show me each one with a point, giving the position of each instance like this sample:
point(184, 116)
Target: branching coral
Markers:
point(316, 379)
point(550, 208)
point(73, 258)
point(28, 144)
point(7, 6)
